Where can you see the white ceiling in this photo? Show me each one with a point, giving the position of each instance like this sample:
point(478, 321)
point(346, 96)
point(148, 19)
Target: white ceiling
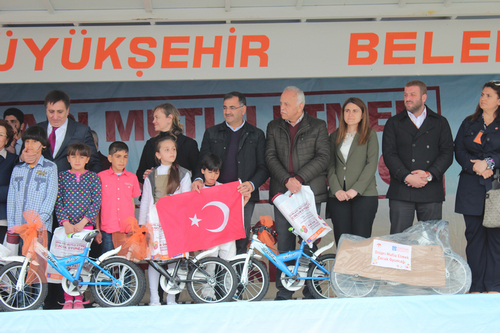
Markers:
point(96, 12)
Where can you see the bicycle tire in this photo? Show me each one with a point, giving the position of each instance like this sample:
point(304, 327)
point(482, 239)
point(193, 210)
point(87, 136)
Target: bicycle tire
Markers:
point(458, 275)
point(258, 280)
point(129, 293)
point(220, 285)
point(32, 295)
point(321, 288)
point(352, 285)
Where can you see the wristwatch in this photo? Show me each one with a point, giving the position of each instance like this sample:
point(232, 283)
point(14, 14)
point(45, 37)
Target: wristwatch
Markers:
point(429, 176)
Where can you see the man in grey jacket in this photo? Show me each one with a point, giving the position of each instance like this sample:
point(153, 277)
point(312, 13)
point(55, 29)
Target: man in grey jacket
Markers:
point(297, 153)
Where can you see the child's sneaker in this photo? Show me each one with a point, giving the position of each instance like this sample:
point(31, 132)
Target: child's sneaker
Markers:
point(68, 305)
point(78, 304)
point(154, 304)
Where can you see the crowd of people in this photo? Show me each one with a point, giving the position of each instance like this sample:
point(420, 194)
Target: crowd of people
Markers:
point(55, 168)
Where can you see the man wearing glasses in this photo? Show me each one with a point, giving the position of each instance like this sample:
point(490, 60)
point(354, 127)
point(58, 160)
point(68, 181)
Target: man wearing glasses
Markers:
point(241, 147)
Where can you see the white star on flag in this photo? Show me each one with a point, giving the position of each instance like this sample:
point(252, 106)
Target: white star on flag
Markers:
point(195, 220)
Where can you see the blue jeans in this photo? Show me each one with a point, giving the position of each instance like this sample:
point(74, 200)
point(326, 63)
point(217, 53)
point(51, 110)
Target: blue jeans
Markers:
point(107, 242)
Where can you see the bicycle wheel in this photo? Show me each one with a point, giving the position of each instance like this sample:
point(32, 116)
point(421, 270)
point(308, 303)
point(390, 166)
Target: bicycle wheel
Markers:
point(458, 276)
point(352, 285)
point(131, 289)
point(31, 295)
point(212, 280)
point(321, 288)
point(258, 280)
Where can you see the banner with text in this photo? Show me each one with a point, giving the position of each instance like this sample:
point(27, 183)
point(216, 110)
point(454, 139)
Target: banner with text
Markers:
point(245, 51)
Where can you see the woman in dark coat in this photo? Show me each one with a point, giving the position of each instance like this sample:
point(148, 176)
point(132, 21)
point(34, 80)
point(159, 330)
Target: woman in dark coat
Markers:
point(7, 162)
point(477, 150)
point(166, 122)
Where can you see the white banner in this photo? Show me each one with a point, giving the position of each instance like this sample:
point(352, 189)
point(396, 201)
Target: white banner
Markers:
point(292, 50)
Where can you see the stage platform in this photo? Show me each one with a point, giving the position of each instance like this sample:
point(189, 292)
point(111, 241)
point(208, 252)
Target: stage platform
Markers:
point(458, 313)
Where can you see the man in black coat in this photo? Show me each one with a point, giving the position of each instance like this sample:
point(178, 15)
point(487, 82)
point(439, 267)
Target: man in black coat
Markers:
point(241, 147)
point(417, 146)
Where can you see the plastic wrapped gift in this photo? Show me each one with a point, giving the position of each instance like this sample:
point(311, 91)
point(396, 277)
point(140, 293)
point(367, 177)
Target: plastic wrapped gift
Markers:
point(417, 261)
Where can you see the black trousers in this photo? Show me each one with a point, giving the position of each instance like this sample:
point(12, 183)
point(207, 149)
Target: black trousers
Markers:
point(402, 213)
point(353, 217)
point(483, 254)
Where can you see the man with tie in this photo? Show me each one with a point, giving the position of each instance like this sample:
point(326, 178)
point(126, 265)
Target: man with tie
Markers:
point(63, 131)
point(417, 146)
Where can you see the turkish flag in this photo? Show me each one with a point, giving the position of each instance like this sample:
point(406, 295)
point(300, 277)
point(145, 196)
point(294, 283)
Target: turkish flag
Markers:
point(193, 221)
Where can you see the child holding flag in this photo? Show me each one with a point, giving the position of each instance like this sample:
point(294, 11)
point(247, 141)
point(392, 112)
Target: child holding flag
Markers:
point(210, 168)
point(167, 179)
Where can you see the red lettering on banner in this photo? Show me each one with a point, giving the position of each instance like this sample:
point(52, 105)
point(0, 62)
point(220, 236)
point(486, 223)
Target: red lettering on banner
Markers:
point(189, 114)
point(467, 46)
point(199, 50)
point(29, 120)
point(375, 115)
point(168, 50)
point(498, 47)
point(428, 57)
point(135, 49)
point(11, 55)
point(355, 47)
point(391, 47)
point(83, 118)
point(276, 111)
point(40, 54)
point(104, 52)
point(231, 51)
point(209, 117)
point(84, 58)
point(400, 106)
point(312, 109)
point(333, 111)
point(260, 52)
point(383, 171)
point(114, 117)
point(151, 127)
point(252, 115)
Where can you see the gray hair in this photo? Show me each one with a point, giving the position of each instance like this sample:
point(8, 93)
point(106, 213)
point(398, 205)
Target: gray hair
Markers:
point(301, 98)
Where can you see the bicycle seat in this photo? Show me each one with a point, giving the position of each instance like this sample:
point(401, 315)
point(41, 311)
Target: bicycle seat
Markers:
point(91, 235)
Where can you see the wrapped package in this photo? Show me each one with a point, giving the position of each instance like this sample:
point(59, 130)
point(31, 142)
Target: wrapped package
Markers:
point(418, 261)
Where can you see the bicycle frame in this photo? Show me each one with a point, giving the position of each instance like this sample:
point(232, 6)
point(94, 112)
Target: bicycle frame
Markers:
point(279, 260)
point(60, 265)
point(171, 277)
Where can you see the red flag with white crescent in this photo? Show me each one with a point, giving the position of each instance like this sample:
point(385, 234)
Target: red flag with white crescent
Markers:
point(193, 221)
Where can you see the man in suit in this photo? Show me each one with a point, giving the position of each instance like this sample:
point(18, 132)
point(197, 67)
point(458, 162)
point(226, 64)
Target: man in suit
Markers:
point(62, 132)
point(241, 146)
point(297, 153)
point(417, 146)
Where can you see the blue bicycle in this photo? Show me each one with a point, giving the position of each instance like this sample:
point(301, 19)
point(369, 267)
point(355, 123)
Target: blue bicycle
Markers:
point(312, 270)
point(114, 281)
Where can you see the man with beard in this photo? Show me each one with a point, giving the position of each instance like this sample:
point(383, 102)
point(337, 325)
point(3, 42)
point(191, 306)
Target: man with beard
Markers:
point(417, 146)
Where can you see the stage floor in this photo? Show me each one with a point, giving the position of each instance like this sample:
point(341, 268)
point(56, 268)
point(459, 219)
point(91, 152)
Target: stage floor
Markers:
point(457, 313)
